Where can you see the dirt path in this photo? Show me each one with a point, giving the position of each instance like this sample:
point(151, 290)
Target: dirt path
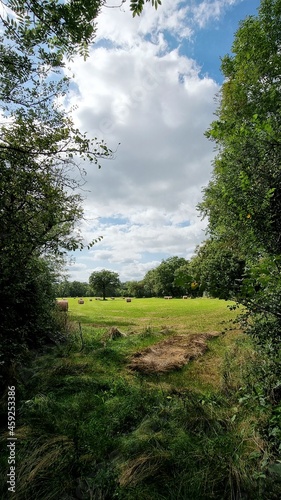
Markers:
point(171, 354)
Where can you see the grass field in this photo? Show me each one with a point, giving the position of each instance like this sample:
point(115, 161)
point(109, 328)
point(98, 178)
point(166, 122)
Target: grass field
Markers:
point(91, 428)
point(182, 316)
point(148, 321)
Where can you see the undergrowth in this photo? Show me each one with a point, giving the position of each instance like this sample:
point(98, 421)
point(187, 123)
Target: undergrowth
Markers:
point(88, 428)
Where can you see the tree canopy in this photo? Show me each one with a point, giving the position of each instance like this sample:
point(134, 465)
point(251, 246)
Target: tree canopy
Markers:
point(243, 198)
point(69, 27)
point(40, 153)
point(163, 279)
point(217, 269)
point(244, 195)
point(104, 282)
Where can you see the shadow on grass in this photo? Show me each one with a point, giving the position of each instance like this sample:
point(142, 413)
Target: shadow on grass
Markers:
point(84, 320)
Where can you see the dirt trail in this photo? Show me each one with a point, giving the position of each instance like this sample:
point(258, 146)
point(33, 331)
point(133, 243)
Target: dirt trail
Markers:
point(171, 354)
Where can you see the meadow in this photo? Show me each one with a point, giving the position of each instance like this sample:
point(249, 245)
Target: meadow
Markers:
point(148, 321)
point(191, 315)
point(91, 428)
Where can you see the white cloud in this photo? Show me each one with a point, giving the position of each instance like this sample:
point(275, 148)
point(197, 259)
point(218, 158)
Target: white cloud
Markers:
point(209, 10)
point(117, 25)
point(137, 91)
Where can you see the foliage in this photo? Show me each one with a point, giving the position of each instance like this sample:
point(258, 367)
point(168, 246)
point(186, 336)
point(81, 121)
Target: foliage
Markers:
point(149, 283)
point(243, 199)
point(27, 306)
point(104, 282)
point(244, 193)
point(66, 26)
point(40, 147)
point(136, 6)
point(133, 289)
point(162, 280)
point(72, 289)
point(217, 270)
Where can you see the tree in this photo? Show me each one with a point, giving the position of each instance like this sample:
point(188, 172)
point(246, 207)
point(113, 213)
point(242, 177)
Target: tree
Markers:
point(217, 270)
point(67, 26)
point(27, 316)
point(134, 288)
point(104, 282)
point(187, 279)
point(244, 196)
point(79, 289)
point(163, 279)
point(243, 199)
point(150, 283)
point(166, 275)
point(62, 288)
point(39, 148)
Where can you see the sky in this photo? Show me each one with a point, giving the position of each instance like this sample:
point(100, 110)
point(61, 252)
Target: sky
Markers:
point(148, 89)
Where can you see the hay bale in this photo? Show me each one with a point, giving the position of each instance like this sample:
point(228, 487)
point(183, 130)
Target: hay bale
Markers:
point(184, 296)
point(128, 299)
point(80, 301)
point(62, 305)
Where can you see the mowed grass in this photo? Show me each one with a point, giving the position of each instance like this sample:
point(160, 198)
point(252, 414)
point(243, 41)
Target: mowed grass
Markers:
point(148, 321)
point(201, 315)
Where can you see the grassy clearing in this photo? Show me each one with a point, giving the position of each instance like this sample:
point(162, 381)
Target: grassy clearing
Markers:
point(148, 321)
point(192, 315)
point(89, 428)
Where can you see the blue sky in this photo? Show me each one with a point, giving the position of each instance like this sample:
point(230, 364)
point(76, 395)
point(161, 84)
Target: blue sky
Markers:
point(150, 85)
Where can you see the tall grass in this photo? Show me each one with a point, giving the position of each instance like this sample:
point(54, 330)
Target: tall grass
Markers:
point(89, 428)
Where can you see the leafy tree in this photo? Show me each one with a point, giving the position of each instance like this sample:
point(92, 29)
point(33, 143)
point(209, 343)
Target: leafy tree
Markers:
point(163, 280)
point(67, 26)
point(27, 314)
point(244, 196)
point(187, 279)
point(104, 283)
point(149, 283)
point(136, 6)
point(39, 150)
point(79, 289)
point(134, 289)
point(217, 270)
point(62, 288)
point(166, 274)
point(243, 199)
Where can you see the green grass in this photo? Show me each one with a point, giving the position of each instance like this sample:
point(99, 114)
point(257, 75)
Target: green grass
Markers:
point(90, 427)
point(147, 321)
point(191, 315)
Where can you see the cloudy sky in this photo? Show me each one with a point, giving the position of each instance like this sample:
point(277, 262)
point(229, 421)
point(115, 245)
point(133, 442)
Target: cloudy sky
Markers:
point(150, 84)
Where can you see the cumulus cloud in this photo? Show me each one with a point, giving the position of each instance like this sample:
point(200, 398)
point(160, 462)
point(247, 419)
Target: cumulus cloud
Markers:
point(139, 90)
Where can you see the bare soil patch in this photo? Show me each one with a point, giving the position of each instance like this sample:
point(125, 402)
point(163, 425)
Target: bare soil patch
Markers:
point(171, 354)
